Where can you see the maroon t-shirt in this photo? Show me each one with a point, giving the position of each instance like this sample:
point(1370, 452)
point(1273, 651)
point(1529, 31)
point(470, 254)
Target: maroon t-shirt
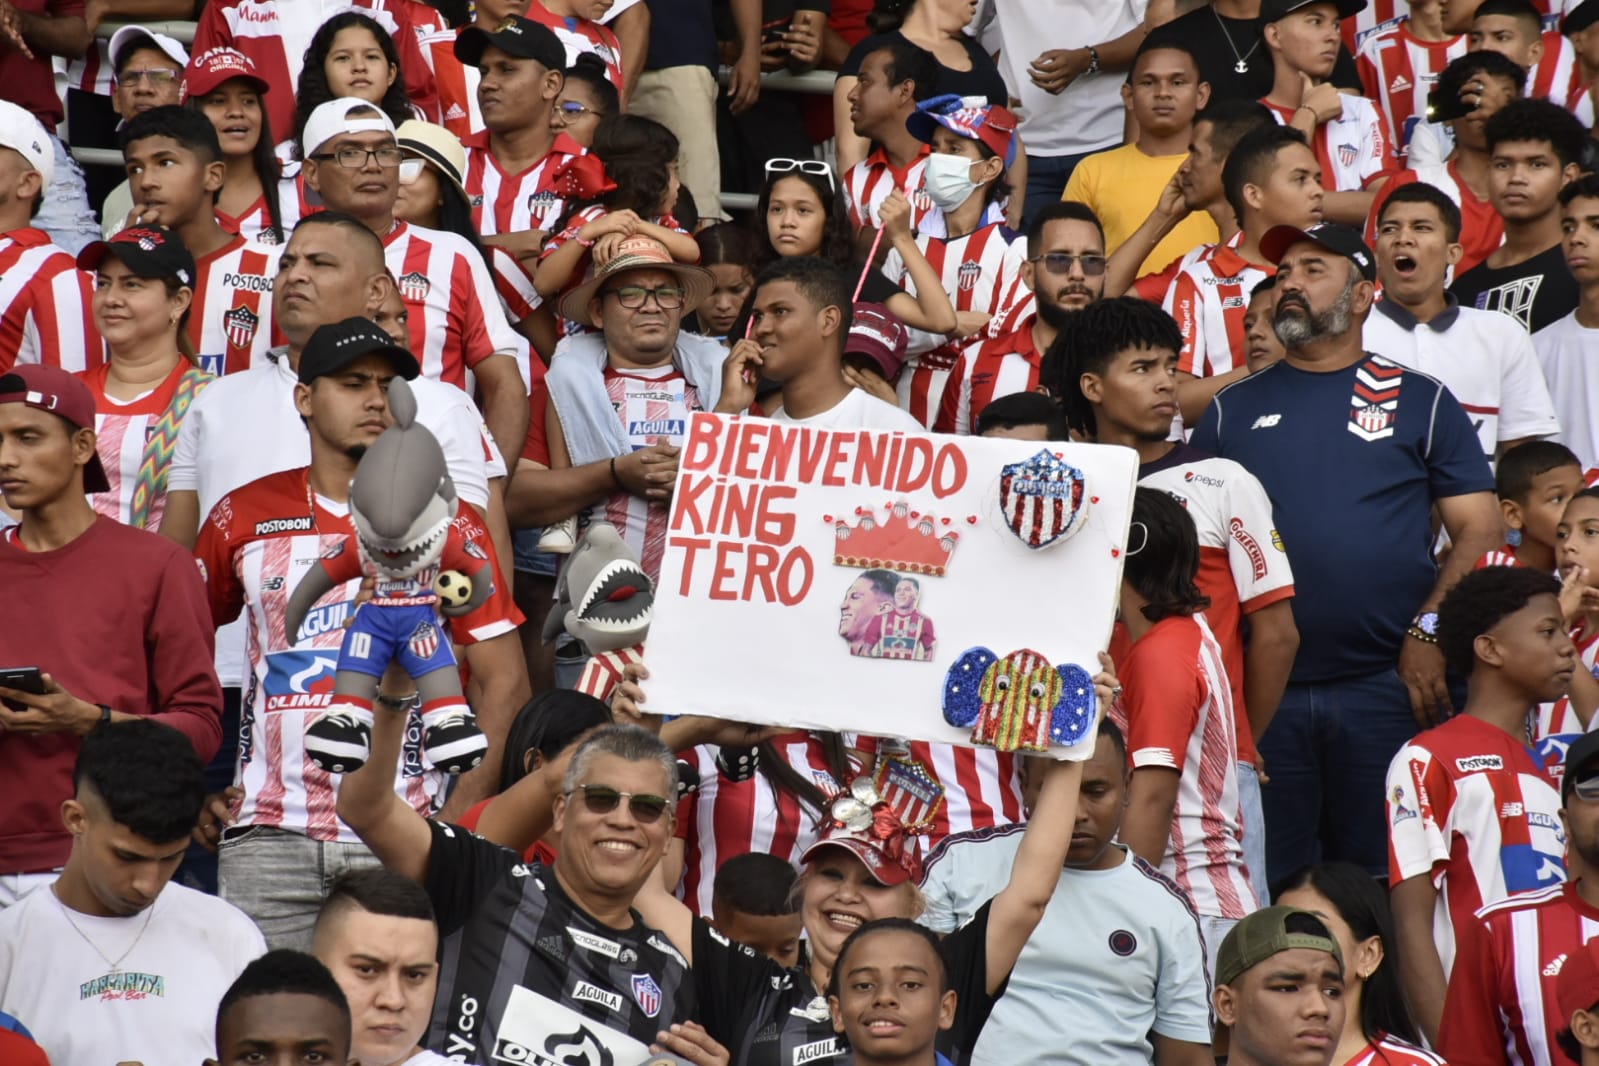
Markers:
point(30, 83)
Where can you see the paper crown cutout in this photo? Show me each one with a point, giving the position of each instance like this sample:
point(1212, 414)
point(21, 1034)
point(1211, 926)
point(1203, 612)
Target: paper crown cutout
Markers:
point(904, 540)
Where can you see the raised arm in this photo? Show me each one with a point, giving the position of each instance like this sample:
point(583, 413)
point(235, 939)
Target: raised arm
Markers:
point(368, 804)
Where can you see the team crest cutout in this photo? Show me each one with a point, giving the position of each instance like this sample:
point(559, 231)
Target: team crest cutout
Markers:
point(1043, 499)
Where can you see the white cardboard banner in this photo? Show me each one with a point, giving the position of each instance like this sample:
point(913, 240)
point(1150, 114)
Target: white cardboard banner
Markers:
point(871, 581)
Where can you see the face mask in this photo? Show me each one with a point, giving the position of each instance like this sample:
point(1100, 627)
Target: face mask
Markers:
point(948, 180)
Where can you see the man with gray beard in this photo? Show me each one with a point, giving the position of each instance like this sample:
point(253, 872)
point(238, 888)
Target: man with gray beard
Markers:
point(1355, 452)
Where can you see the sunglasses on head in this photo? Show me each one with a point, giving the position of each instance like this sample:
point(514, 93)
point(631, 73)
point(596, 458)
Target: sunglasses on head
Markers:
point(1061, 263)
point(602, 799)
point(775, 167)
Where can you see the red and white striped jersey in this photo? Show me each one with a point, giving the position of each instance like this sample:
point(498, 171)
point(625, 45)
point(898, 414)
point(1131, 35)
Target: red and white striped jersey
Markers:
point(1385, 1050)
point(512, 203)
point(1353, 148)
point(1559, 718)
point(1501, 1006)
point(1398, 70)
point(988, 367)
point(1481, 229)
point(868, 183)
point(1177, 713)
point(91, 74)
point(457, 84)
point(1243, 566)
point(981, 789)
point(455, 322)
point(981, 272)
point(1377, 15)
point(1209, 300)
point(511, 280)
point(46, 305)
point(652, 404)
point(1470, 808)
point(726, 819)
point(1555, 74)
point(253, 550)
point(230, 321)
point(276, 33)
point(581, 36)
point(122, 430)
point(293, 204)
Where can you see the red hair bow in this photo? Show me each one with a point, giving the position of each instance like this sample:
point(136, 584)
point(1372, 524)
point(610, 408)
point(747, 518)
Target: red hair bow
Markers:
point(582, 177)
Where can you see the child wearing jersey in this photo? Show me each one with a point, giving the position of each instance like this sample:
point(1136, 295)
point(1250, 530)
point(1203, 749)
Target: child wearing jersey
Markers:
point(1578, 539)
point(1534, 482)
point(1472, 814)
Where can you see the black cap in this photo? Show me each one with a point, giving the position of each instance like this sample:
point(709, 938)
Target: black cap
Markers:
point(1330, 235)
point(148, 251)
point(333, 347)
point(1272, 10)
point(515, 36)
point(1580, 17)
point(1584, 750)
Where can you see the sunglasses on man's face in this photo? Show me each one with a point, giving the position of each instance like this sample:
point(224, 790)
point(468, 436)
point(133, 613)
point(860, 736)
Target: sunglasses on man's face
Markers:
point(1061, 263)
point(602, 799)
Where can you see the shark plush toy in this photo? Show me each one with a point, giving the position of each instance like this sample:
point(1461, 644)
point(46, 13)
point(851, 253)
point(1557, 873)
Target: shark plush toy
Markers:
point(402, 503)
point(603, 598)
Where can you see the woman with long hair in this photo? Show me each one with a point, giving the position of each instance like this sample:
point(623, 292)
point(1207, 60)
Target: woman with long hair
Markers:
point(728, 252)
point(801, 211)
point(1378, 1029)
point(143, 292)
point(258, 201)
point(351, 55)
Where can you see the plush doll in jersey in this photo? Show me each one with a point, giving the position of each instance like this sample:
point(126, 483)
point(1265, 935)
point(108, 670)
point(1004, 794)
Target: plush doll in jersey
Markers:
point(401, 503)
point(605, 599)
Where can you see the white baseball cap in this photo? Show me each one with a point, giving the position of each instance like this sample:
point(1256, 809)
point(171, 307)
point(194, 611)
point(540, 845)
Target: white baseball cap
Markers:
point(23, 133)
point(331, 119)
point(161, 42)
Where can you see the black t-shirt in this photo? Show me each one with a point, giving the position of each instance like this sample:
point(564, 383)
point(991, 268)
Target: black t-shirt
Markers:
point(682, 34)
point(1217, 42)
point(527, 976)
point(982, 80)
point(770, 1016)
point(1535, 293)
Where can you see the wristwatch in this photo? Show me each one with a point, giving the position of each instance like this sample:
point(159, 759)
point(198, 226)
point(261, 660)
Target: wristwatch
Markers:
point(1424, 627)
point(1093, 60)
point(105, 714)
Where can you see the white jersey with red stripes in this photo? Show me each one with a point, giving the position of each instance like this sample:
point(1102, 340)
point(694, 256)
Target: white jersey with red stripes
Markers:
point(582, 36)
point(981, 272)
point(1177, 713)
point(512, 203)
point(1376, 16)
point(868, 183)
point(1502, 1004)
point(456, 320)
point(652, 404)
point(1556, 72)
point(46, 305)
point(457, 84)
point(726, 819)
point(1559, 718)
point(1209, 299)
point(294, 203)
point(981, 789)
point(989, 367)
point(253, 550)
point(122, 430)
point(1385, 1050)
point(1398, 70)
point(1353, 148)
point(230, 320)
point(1471, 809)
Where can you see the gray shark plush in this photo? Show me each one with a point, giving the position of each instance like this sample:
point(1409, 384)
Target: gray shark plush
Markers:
point(402, 504)
point(605, 599)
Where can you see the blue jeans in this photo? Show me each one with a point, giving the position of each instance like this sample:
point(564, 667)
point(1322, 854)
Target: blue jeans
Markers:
point(64, 213)
point(1252, 819)
point(1327, 754)
point(1046, 180)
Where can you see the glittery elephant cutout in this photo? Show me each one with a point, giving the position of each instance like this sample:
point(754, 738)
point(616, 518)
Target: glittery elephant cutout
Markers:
point(1019, 702)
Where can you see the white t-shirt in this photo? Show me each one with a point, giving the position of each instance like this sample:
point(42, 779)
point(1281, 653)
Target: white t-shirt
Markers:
point(158, 1007)
point(245, 426)
point(1484, 358)
point(858, 410)
point(1087, 115)
point(1569, 354)
point(1117, 956)
point(428, 1058)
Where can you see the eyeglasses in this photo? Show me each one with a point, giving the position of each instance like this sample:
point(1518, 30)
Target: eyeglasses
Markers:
point(632, 297)
point(804, 166)
point(410, 170)
point(574, 110)
point(353, 158)
point(157, 76)
point(645, 808)
point(1061, 263)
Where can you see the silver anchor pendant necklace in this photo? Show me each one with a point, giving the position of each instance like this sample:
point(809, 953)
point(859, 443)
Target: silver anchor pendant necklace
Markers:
point(1242, 64)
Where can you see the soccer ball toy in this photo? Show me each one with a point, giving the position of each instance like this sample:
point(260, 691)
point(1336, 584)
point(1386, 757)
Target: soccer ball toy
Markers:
point(453, 588)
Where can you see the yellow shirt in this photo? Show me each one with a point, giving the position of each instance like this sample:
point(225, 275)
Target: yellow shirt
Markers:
point(1123, 185)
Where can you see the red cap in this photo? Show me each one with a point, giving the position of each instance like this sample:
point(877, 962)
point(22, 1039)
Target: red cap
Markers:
point(1577, 986)
point(49, 388)
point(871, 830)
point(879, 336)
point(213, 67)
